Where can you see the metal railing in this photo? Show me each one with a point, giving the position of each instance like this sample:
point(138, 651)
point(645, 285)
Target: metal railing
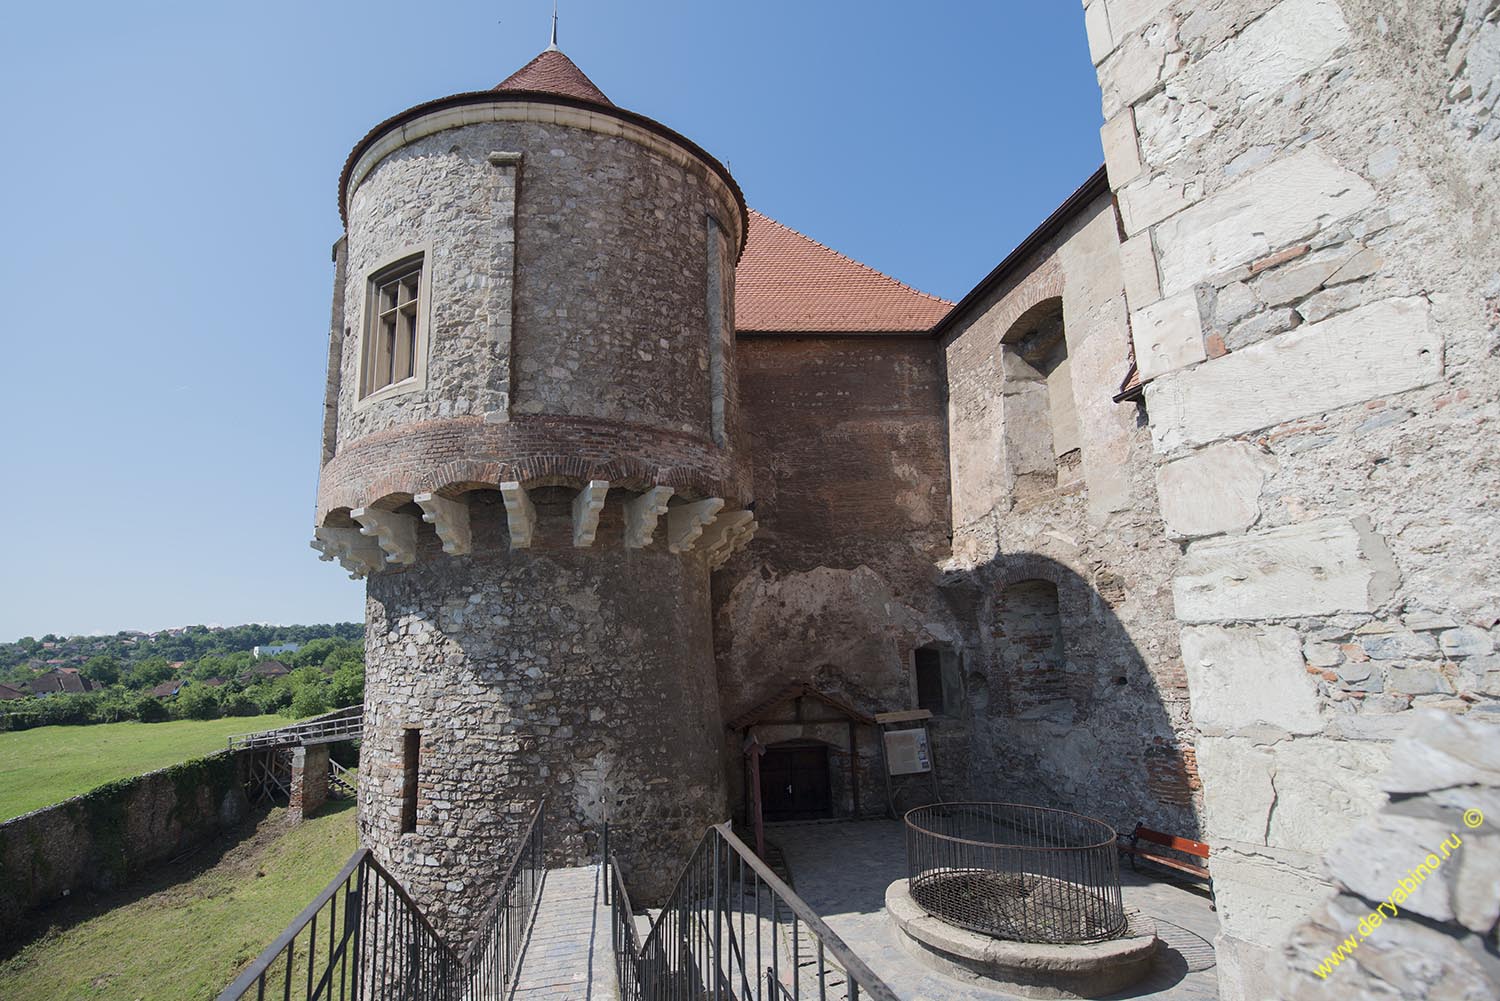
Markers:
point(1016, 872)
point(341, 724)
point(362, 937)
point(731, 930)
point(491, 961)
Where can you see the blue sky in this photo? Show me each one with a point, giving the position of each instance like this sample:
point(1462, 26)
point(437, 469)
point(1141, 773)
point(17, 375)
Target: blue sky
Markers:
point(168, 197)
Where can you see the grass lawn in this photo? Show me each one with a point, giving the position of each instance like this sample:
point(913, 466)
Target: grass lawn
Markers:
point(186, 938)
point(51, 763)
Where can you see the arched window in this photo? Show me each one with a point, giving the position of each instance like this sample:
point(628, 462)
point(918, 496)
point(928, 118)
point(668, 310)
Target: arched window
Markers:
point(1043, 445)
point(1030, 634)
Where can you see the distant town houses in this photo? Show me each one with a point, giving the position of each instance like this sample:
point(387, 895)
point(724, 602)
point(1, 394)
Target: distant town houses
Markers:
point(60, 679)
point(266, 670)
point(167, 689)
point(8, 692)
point(272, 649)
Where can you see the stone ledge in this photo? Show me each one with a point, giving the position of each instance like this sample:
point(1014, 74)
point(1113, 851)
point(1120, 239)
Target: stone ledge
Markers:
point(1090, 970)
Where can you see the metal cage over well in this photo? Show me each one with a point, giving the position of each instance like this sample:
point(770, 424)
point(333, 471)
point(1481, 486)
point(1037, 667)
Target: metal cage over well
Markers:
point(1016, 872)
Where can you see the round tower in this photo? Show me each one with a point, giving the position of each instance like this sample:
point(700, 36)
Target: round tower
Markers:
point(530, 457)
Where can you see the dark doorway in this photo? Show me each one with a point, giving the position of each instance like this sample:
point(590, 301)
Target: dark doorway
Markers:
point(794, 782)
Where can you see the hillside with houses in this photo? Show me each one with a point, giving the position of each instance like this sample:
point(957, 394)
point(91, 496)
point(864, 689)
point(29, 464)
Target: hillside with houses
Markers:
point(190, 672)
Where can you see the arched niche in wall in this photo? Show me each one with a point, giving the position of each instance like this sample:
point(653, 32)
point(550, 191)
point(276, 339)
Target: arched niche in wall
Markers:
point(1042, 441)
point(1032, 650)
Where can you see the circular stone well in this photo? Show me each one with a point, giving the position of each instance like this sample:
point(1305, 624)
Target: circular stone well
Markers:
point(1037, 970)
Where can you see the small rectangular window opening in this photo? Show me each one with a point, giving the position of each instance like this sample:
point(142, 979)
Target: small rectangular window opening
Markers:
point(411, 753)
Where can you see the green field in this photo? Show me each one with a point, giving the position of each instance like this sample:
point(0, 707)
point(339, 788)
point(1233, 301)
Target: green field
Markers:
point(51, 763)
point(187, 939)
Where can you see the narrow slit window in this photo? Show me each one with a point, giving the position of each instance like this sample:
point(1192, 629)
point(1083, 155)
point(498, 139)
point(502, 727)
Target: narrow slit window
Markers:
point(411, 767)
point(394, 342)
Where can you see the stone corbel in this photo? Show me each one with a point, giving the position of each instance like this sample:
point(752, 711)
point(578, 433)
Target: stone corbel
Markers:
point(687, 521)
point(586, 508)
point(355, 553)
point(520, 513)
point(642, 514)
point(727, 533)
point(450, 519)
point(396, 533)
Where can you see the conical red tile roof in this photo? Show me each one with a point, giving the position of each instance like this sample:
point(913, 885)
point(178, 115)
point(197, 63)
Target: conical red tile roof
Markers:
point(554, 73)
point(789, 283)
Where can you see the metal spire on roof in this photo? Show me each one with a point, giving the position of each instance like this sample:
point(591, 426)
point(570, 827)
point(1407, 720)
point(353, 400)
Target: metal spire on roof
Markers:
point(553, 47)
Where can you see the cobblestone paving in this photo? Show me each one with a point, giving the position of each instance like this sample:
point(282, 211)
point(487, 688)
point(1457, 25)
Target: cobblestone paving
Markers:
point(567, 955)
point(842, 869)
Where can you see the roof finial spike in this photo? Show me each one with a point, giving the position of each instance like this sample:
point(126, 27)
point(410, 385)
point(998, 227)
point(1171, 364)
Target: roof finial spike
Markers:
point(553, 47)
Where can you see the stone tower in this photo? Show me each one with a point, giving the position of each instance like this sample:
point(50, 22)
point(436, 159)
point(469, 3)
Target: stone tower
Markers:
point(530, 455)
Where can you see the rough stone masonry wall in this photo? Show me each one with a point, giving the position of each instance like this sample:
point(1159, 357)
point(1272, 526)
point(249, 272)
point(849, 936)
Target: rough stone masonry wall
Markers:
point(101, 840)
point(1076, 696)
point(582, 675)
point(1308, 192)
point(840, 585)
point(543, 300)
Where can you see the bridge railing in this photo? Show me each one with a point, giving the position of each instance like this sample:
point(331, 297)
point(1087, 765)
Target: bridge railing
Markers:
point(362, 937)
point(341, 724)
point(490, 965)
point(732, 929)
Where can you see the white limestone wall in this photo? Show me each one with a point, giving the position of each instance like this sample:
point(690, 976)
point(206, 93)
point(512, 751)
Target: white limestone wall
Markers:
point(1308, 193)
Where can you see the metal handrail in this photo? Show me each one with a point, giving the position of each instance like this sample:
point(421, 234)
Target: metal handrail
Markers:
point(380, 943)
point(714, 939)
point(490, 962)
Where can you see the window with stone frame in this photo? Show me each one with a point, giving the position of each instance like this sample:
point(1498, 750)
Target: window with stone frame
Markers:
point(394, 334)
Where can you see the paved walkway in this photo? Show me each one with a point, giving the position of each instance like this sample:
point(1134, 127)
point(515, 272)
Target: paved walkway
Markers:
point(568, 954)
point(842, 869)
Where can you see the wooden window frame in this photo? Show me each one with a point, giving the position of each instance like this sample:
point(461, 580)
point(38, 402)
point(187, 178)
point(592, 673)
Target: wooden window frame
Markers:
point(394, 342)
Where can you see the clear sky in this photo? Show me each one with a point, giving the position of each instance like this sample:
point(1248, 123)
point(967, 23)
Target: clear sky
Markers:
point(168, 185)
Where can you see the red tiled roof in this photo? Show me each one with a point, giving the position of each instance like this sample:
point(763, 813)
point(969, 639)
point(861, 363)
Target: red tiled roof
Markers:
point(789, 283)
point(554, 73)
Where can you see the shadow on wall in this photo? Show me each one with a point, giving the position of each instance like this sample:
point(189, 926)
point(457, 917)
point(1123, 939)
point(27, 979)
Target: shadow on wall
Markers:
point(1059, 707)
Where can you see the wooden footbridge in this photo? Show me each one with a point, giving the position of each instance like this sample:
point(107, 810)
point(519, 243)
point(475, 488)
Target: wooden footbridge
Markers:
point(269, 752)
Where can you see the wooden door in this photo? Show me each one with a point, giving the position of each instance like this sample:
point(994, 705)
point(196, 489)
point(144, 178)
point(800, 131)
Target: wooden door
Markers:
point(794, 783)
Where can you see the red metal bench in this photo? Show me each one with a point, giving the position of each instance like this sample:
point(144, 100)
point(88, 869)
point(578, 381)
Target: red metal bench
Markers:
point(1184, 846)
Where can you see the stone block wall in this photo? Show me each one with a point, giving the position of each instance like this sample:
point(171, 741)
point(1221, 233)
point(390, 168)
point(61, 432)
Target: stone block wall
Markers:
point(1307, 191)
point(1076, 697)
point(1417, 907)
point(103, 839)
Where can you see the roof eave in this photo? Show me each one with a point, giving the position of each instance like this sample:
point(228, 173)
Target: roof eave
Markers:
point(1096, 185)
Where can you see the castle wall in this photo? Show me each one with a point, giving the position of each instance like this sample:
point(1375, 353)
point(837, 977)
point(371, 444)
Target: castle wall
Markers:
point(582, 675)
point(1308, 189)
point(840, 585)
point(1075, 692)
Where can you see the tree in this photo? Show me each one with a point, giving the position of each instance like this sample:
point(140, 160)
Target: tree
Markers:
point(197, 701)
point(149, 710)
point(347, 687)
point(103, 669)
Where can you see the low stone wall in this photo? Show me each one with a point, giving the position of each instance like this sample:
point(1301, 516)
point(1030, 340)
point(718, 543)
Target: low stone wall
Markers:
point(104, 838)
